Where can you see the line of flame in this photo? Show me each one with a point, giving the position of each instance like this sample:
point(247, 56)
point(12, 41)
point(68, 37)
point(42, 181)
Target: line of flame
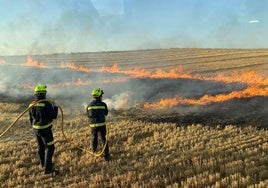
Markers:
point(257, 84)
point(249, 92)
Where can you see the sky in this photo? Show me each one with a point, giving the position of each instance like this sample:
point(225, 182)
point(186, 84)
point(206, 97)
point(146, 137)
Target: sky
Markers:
point(31, 27)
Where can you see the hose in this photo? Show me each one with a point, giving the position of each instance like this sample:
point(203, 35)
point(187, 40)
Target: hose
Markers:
point(62, 129)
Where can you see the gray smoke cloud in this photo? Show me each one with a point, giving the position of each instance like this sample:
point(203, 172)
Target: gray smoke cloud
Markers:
point(72, 90)
point(47, 27)
point(73, 86)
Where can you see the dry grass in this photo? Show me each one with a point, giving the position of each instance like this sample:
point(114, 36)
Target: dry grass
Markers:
point(144, 154)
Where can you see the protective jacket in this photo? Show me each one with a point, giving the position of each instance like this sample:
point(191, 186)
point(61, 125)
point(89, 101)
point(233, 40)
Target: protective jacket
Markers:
point(42, 114)
point(96, 112)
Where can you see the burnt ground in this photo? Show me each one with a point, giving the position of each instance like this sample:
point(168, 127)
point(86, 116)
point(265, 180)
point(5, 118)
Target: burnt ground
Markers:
point(241, 112)
point(238, 112)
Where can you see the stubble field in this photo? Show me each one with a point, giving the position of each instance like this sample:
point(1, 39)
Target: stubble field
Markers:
point(177, 118)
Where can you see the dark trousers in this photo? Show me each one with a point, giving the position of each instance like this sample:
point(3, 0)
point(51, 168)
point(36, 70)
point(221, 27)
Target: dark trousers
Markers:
point(94, 138)
point(46, 147)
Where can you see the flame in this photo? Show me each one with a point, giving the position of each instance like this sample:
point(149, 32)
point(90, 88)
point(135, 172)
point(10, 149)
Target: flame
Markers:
point(2, 61)
point(174, 73)
point(72, 66)
point(249, 77)
point(249, 92)
point(257, 84)
point(113, 69)
point(138, 72)
point(32, 63)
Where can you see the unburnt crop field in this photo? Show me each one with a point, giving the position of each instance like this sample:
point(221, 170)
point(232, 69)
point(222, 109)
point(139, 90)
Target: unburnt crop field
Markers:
point(177, 118)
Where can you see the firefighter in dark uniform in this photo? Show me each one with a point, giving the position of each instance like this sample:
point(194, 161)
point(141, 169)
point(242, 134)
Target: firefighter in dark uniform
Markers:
point(96, 112)
point(41, 116)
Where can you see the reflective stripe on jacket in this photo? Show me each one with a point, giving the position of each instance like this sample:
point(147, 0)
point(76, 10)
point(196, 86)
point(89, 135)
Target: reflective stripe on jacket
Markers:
point(96, 124)
point(42, 114)
point(96, 112)
point(96, 107)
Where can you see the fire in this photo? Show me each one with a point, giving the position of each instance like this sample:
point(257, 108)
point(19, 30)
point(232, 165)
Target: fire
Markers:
point(113, 69)
point(72, 66)
point(251, 91)
point(138, 72)
point(174, 73)
point(32, 63)
point(257, 84)
point(2, 61)
point(250, 77)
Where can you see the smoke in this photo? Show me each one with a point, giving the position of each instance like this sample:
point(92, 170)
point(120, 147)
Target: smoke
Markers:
point(47, 27)
point(69, 87)
point(119, 101)
point(208, 99)
point(20, 75)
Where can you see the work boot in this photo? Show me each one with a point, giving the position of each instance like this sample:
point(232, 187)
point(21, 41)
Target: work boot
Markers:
point(52, 171)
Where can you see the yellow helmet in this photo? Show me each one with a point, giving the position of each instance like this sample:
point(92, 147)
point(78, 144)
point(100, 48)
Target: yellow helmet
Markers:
point(97, 92)
point(40, 88)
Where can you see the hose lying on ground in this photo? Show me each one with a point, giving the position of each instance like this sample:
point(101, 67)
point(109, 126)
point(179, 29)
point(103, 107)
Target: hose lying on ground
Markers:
point(98, 154)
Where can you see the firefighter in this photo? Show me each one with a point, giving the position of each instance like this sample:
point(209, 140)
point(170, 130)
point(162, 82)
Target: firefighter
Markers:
point(41, 116)
point(96, 112)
